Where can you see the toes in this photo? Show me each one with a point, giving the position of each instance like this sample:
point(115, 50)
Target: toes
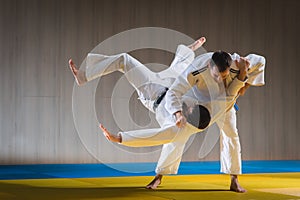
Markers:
point(72, 65)
point(150, 187)
point(102, 127)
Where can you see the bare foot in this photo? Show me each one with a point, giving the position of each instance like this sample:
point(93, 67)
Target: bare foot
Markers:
point(198, 43)
point(155, 182)
point(235, 186)
point(78, 75)
point(110, 136)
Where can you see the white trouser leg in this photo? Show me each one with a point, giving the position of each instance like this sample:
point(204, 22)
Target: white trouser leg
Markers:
point(170, 158)
point(98, 65)
point(184, 56)
point(171, 153)
point(157, 136)
point(149, 137)
point(230, 149)
point(173, 138)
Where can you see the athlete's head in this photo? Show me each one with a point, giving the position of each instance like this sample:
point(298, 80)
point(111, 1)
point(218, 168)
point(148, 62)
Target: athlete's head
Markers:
point(219, 65)
point(198, 115)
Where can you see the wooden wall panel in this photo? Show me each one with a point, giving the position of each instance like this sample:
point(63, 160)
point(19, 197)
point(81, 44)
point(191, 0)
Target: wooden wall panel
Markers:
point(38, 37)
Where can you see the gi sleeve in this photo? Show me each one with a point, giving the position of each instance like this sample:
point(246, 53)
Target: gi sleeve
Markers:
point(256, 72)
point(235, 87)
point(185, 82)
point(175, 93)
point(181, 86)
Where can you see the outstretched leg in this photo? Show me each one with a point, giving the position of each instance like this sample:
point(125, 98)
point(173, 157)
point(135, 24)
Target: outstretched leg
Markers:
point(78, 75)
point(197, 44)
point(110, 136)
point(155, 182)
point(235, 186)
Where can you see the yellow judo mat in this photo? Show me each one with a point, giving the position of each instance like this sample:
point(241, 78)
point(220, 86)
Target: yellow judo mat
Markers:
point(281, 186)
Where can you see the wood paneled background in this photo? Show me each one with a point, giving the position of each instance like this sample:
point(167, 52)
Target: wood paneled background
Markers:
point(38, 37)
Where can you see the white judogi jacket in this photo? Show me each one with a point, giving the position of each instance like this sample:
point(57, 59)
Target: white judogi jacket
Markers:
point(196, 78)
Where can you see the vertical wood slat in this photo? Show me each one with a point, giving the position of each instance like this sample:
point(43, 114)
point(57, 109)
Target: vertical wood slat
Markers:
point(38, 37)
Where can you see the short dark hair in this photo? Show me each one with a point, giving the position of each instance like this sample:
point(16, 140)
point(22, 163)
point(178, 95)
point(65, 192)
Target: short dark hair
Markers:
point(222, 60)
point(198, 117)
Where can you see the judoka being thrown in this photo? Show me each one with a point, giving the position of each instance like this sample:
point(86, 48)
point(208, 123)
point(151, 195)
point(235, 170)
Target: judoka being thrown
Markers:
point(176, 103)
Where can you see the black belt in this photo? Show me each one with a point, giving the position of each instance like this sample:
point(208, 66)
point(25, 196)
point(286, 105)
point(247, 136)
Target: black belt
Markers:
point(159, 99)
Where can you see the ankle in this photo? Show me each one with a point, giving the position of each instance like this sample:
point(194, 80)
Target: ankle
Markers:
point(233, 178)
point(119, 136)
point(158, 176)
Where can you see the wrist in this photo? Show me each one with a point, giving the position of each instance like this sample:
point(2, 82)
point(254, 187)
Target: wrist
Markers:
point(178, 114)
point(242, 75)
point(243, 71)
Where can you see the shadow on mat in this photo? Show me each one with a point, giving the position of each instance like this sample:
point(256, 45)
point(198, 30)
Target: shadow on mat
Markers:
point(191, 190)
point(23, 191)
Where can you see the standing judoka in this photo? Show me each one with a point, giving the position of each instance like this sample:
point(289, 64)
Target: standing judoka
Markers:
point(230, 150)
point(235, 81)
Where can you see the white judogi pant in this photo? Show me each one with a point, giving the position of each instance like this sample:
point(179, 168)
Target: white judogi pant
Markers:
point(147, 83)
